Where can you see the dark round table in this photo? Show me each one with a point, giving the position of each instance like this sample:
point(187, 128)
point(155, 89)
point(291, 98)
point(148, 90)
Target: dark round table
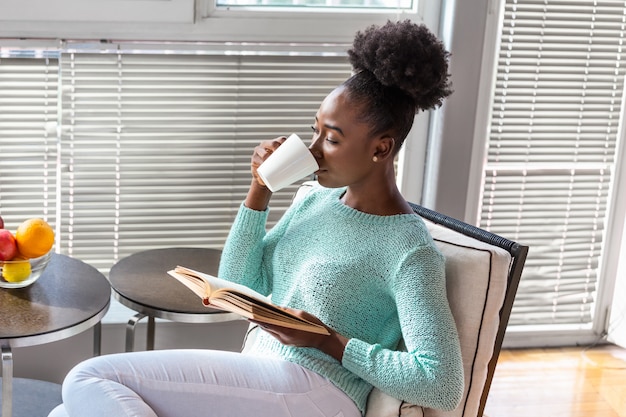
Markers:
point(141, 283)
point(68, 298)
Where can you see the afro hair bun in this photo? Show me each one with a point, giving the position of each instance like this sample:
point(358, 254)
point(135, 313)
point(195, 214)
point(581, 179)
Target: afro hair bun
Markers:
point(407, 56)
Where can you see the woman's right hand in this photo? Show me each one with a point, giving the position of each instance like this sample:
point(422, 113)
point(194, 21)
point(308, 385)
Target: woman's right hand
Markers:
point(259, 195)
point(261, 152)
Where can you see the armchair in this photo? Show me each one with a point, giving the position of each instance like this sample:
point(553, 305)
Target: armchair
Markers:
point(482, 274)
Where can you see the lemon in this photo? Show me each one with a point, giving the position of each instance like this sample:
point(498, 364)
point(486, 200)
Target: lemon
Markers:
point(34, 238)
point(16, 271)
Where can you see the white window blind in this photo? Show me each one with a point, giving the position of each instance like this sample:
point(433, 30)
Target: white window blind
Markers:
point(28, 144)
point(155, 146)
point(551, 149)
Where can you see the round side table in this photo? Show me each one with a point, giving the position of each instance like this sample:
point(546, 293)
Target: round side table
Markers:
point(69, 298)
point(141, 283)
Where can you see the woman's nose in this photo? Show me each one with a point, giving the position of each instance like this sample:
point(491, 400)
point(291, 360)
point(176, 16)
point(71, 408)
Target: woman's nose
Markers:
point(315, 149)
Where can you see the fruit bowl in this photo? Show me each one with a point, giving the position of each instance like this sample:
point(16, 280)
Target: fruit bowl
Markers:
point(15, 274)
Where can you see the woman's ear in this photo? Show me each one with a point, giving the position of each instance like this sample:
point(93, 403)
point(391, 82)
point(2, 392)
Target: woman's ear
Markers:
point(384, 148)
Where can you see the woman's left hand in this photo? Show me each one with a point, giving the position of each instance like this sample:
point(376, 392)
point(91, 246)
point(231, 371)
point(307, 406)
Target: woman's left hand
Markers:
point(333, 344)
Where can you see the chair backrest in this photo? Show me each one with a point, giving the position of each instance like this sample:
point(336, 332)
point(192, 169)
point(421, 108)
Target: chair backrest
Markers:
point(483, 271)
point(482, 275)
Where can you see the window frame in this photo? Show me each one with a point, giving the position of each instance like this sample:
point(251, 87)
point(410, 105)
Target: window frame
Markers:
point(164, 11)
point(615, 237)
point(305, 24)
point(196, 20)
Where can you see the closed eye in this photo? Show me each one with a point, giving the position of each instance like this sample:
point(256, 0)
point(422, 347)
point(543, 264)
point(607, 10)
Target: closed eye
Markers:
point(327, 139)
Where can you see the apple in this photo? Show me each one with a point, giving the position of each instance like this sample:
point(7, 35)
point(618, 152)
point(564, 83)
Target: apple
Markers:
point(8, 245)
point(1, 223)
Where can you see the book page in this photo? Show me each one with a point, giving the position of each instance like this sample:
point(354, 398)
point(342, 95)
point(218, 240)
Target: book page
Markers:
point(216, 283)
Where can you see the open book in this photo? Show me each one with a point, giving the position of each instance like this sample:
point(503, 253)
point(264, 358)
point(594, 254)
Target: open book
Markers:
point(239, 299)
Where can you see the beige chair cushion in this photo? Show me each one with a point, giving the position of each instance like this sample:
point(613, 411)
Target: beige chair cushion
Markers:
point(476, 275)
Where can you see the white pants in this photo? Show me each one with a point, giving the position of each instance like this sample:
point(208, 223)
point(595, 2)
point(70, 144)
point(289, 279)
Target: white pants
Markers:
point(184, 383)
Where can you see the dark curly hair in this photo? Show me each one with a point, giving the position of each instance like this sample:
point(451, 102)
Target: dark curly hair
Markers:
point(399, 69)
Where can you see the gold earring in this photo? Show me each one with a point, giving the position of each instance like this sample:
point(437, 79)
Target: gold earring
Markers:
point(375, 158)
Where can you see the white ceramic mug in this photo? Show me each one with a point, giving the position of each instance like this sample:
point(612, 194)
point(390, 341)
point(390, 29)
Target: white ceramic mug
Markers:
point(290, 162)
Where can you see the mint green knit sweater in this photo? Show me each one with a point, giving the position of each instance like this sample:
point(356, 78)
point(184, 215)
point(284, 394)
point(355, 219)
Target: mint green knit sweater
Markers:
point(374, 279)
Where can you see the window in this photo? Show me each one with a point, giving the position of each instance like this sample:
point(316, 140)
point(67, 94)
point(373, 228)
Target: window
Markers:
point(147, 149)
point(331, 4)
point(305, 21)
point(551, 140)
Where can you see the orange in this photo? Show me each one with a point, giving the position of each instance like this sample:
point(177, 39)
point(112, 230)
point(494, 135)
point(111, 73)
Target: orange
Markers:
point(34, 238)
point(16, 271)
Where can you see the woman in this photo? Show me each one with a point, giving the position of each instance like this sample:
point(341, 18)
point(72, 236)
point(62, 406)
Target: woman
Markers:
point(351, 255)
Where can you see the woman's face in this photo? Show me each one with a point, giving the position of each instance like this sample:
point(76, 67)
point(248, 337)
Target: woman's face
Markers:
point(341, 144)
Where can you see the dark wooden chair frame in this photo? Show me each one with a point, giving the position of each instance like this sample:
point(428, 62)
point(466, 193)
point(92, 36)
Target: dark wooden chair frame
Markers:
point(518, 258)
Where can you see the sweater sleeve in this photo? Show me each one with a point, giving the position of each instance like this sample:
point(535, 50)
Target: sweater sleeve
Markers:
point(247, 254)
point(430, 372)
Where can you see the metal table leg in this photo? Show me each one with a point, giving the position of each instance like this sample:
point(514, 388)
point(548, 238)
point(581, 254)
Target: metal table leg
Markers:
point(97, 339)
point(130, 332)
point(7, 382)
point(150, 336)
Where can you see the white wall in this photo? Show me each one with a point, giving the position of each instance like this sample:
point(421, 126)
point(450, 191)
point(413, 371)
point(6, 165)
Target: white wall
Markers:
point(617, 322)
point(447, 182)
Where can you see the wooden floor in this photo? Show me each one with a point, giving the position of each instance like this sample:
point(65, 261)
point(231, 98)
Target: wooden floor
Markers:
point(563, 382)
